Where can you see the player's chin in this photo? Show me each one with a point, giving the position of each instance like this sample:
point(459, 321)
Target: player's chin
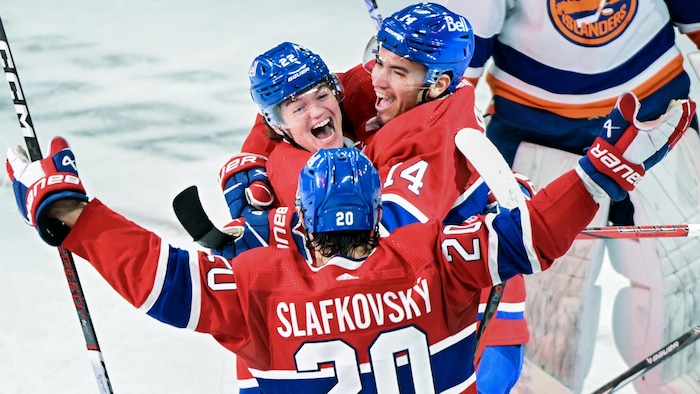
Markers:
point(334, 141)
point(386, 115)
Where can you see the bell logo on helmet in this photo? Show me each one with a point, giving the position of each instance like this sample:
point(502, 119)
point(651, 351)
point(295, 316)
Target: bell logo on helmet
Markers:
point(460, 25)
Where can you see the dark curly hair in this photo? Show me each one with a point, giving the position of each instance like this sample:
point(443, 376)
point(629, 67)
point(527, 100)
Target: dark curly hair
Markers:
point(344, 242)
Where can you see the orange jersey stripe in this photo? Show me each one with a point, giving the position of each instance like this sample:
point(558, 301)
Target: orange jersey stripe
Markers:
point(587, 110)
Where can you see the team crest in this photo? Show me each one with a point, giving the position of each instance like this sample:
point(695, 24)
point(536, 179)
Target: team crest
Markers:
point(592, 23)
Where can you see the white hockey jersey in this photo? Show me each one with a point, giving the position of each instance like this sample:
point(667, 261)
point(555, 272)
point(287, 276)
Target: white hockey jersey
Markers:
point(575, 57)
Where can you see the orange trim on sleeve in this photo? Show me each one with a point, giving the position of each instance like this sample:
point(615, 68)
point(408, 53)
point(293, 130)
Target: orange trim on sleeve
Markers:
point(695, 37)
point(588, 110)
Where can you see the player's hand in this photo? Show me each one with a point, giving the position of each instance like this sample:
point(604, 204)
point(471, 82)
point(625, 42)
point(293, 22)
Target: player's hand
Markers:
point(39, 184)
point(626, 148)
point(244, 182)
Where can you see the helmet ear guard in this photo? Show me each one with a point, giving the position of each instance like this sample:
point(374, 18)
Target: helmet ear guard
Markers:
point(339, 190)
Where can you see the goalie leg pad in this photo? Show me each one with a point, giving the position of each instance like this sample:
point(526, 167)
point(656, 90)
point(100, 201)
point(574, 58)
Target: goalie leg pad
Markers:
point(563, 303)
point(663, 300)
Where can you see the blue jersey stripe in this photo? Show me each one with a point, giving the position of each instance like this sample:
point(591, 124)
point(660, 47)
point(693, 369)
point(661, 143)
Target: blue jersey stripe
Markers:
point(507, 315)
point(559, 81)
point(175, 299)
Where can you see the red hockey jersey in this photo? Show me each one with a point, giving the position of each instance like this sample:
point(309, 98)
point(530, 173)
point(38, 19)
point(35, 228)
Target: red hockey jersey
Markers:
point(425, 176)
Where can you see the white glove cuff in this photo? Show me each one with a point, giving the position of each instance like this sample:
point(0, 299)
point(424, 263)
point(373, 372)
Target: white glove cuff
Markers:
point(596, 191)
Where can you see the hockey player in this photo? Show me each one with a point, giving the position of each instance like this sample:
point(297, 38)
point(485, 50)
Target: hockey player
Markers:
point(417, 64)
point(363, 314)
point(556, 68)
point(301, 109)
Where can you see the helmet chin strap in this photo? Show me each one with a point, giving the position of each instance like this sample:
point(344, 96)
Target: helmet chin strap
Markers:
point(423, 98)
point(309, 243)
point(312, 250)
point(288, 137)
point(424, 95)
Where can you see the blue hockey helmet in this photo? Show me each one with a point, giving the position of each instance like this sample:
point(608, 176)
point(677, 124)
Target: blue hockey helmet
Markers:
point(339, 189)
point(286, 71)
point(431, 35)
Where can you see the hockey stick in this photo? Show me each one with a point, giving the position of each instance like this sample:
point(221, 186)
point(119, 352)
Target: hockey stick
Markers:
point(25, 122)
point(374, 13)
point(646, 231)
point(493, 168)
point(491, 308)
point(189, 211)
point(651, 361)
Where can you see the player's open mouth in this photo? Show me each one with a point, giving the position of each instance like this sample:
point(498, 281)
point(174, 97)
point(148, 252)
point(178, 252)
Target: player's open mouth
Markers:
point(383, 102)
point(323, 130)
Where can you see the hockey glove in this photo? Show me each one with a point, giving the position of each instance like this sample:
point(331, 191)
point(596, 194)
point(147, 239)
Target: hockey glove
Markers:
point(626, 147)
point(38, 184)
point(251, 231)
point(245, 185)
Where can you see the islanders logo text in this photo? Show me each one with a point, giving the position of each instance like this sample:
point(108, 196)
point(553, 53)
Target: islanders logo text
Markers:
point(591, 22)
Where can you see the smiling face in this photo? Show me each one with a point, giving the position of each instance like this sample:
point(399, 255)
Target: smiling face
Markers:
point(312, 119)
point(398, 84)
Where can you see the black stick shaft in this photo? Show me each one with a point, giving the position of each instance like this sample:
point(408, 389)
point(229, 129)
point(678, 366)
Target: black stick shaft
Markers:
point(651, 361)
point(25, 122)
point(373, 10)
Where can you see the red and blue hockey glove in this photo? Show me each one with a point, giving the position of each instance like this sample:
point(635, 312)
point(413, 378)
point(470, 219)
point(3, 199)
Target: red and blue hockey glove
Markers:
point(245, 185)
point(38, 184)
point(626, 148)
point(251, 231)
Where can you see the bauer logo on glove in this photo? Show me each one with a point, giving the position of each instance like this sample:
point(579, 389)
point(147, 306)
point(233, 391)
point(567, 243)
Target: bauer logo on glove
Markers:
point(40, 183)
point(243, 180)
point(630, 173)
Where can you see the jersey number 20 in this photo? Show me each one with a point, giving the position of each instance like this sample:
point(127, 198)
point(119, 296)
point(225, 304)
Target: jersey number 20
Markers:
point(383, 363)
